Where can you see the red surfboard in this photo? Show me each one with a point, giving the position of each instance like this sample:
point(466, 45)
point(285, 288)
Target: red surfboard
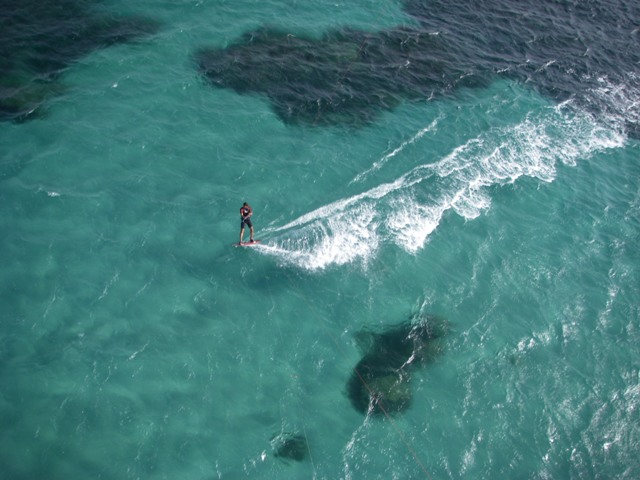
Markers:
point(247, 244)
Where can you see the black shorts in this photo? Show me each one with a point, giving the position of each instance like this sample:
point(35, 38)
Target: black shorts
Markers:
point(246, 222)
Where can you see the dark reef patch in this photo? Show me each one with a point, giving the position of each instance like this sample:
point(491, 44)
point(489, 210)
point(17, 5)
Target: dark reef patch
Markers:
point(347, 77)
point(380, 382)
point(563, 49)
point(39, 39)
point(289, 446)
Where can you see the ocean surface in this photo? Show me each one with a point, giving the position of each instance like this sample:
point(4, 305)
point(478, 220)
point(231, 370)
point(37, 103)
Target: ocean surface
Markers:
point(475, 164)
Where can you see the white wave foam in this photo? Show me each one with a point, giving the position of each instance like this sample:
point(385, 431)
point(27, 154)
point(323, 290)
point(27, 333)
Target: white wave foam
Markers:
point(620, 102)
point(430, 128)
point(330, 236)
point(410, 223)
point(408, 209)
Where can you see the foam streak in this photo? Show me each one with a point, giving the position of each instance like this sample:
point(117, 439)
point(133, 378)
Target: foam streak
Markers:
point(406, 210)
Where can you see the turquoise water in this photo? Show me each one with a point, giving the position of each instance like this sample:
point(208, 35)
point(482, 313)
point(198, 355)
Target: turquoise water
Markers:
point(136, 342)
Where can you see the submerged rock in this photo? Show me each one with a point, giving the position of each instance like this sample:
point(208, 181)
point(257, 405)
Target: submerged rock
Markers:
point(391, 393)
point(380, 382)
point(289, 446)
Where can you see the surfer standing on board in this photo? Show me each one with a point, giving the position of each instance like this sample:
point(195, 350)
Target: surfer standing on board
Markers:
point(245, 219)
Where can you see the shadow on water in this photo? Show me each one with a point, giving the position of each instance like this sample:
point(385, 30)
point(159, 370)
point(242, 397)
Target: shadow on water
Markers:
point(348, 77)
point(39, 39)
point(380, 382)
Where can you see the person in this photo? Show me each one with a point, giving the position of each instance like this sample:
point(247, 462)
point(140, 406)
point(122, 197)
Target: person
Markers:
point(245, 219)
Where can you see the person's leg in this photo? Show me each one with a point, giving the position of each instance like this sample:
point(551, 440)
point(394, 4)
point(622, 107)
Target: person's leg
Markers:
point(251, 230)
point(241, 233)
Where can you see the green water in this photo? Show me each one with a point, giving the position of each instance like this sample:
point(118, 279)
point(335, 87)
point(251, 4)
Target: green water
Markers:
point(136, 342)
